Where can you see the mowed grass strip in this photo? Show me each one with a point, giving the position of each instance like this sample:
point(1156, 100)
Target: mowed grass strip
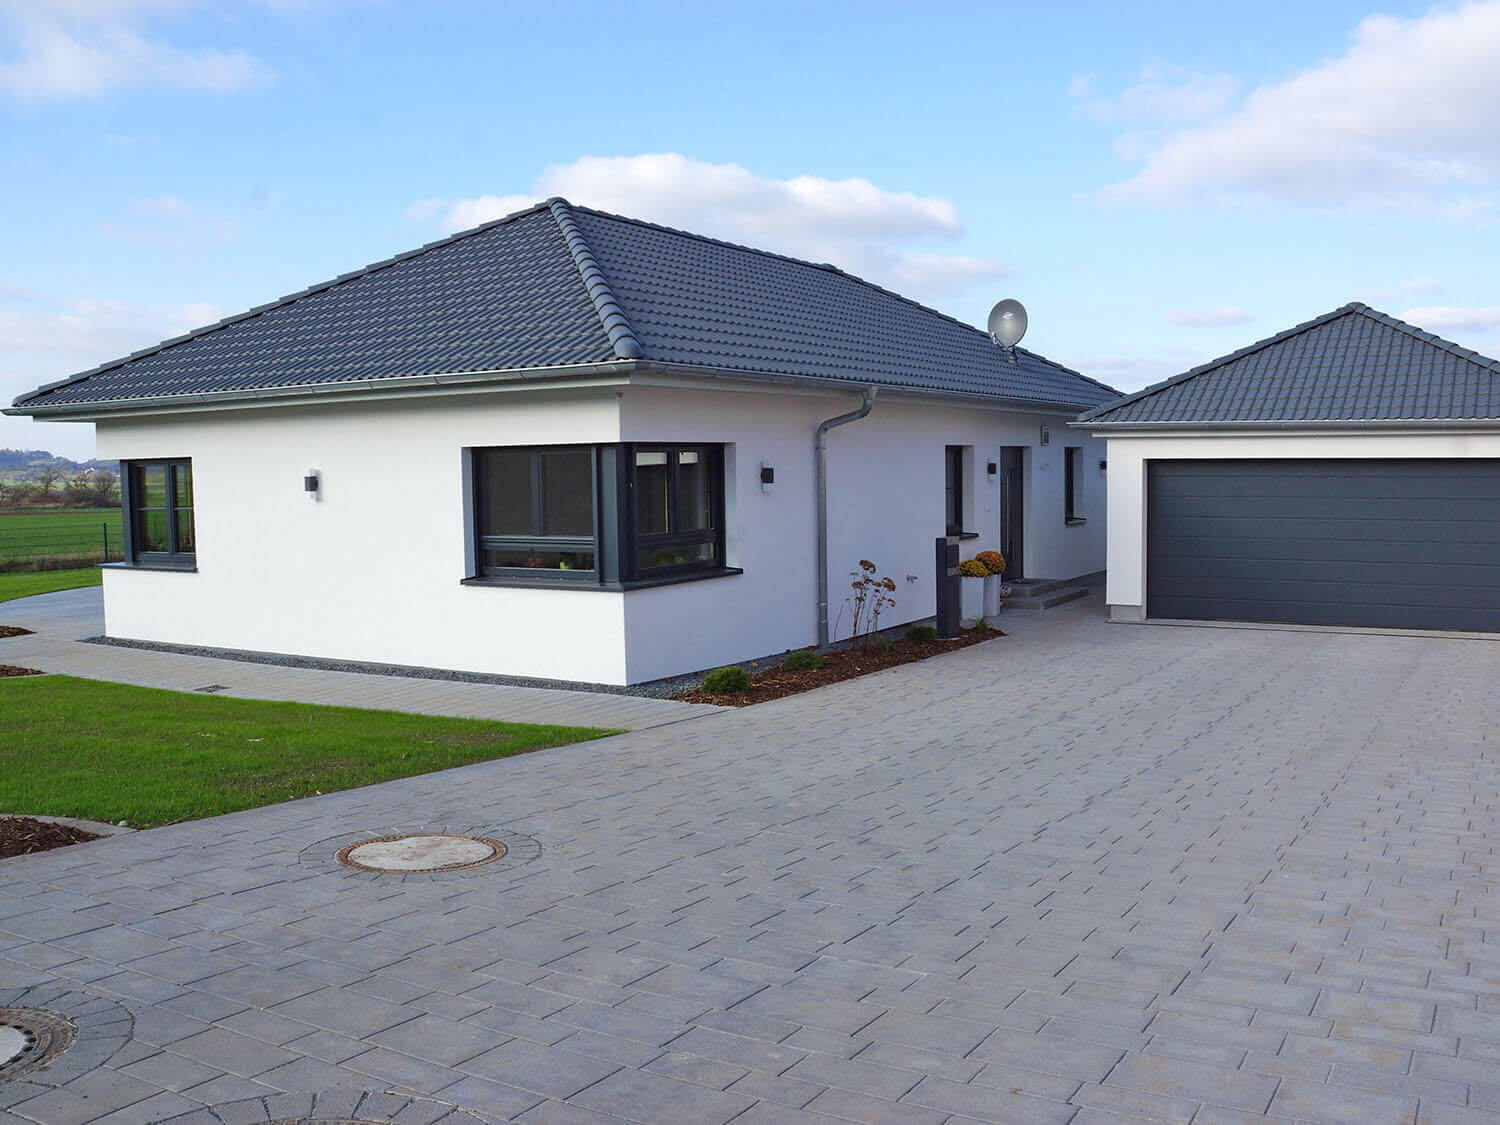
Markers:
point(27, 583)
point(104, 751)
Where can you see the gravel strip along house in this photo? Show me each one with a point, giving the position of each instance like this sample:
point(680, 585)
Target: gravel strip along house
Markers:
point(574, 446)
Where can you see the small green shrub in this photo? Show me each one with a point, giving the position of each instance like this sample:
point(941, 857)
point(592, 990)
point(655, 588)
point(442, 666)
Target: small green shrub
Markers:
point(726, 681)
point(921, 633)
point(804, 660)
point(881, 643)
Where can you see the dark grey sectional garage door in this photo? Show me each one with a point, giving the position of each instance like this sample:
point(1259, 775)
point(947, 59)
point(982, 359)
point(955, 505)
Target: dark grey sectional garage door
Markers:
point(1404, 544)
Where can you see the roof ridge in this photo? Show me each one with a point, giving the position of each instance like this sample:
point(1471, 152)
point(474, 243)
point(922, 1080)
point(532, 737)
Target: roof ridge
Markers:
point(277, 303)
point(616, 324)
point(827, 267)
point(1479, 359)
point(1214, 364)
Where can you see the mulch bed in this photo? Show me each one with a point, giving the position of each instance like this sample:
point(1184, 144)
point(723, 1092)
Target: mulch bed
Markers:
point(14, 631)
point(22, 835)
point(842, 664)
point(13, 670)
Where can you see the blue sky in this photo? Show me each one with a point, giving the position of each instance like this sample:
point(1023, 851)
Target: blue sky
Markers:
point(1159, 183)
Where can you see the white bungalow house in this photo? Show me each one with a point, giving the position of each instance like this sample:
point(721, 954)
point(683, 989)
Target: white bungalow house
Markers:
point(573, 446)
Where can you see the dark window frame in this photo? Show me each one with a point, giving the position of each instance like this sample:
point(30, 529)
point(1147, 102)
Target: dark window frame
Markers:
point(537, 541)
point(615, 542)
point(131, 495)
point(1072, 484)
point(953, 492)
point(635, 541)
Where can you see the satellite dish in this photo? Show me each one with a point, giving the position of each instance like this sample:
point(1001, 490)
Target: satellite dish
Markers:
point(1008, 323)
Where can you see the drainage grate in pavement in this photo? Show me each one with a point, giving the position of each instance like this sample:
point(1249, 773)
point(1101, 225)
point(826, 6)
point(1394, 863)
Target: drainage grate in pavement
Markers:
point(30, 1038)
point(422, 853)
point(212, 689)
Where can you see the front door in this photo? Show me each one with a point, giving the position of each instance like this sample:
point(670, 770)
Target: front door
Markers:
point(1012, 510)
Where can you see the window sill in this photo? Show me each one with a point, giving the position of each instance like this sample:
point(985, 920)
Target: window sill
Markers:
point(185, 568)
point(1075, 521)
point(963, 535)
point(607, 587)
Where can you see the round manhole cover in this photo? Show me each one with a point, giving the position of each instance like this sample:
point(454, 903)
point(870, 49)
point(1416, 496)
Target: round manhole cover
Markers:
point(421, 853)
point(31, 1038)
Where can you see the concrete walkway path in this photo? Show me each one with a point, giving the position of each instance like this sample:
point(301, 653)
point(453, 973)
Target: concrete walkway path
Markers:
point(61, 619)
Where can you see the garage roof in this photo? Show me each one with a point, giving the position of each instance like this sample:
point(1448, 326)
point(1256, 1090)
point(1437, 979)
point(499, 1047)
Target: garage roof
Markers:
point(1353, 366)
point(563, 287)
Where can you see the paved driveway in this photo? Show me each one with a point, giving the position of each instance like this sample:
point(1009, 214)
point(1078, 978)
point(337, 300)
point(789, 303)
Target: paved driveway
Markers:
point(1083, 872)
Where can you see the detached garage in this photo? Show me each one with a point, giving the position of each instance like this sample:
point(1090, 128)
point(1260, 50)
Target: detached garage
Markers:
point(1345, 472)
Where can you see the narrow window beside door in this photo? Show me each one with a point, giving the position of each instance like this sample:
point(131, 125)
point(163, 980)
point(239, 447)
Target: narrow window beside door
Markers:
point(1073, 484)
point(953, 489)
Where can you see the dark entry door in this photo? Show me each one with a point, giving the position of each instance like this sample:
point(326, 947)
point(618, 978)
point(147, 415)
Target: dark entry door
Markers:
point(1403, 544)
point(1012, 509)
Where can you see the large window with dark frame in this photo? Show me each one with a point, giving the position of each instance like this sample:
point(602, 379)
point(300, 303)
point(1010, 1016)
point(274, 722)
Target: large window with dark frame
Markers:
point(159, 508)
point(608, 514)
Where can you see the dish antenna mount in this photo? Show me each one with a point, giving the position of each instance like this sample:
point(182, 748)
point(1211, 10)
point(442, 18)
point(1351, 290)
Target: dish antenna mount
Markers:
point(1007, 325)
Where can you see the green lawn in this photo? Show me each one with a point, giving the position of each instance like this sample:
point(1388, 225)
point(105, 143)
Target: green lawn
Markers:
point(103, 751)
point(26, 583)
point(66, 531)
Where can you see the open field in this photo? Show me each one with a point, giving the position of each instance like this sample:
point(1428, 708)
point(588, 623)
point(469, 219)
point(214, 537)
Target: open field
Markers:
point(26, 583)
point(104, 751)
point(66, 536)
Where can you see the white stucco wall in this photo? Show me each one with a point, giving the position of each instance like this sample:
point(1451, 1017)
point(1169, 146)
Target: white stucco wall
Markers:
point(372, 571)
point(1128, 457)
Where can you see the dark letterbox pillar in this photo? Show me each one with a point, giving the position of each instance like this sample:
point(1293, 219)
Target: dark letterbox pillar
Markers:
point(947, 587)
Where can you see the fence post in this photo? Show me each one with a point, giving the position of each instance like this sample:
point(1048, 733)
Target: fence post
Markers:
point(105, 528)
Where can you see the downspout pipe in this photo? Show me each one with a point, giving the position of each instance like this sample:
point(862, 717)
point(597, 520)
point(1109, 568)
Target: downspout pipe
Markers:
point(820, 471)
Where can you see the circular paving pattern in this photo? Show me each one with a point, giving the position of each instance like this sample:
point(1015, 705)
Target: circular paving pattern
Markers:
point(64, 1033)
point(421, 854)
point(333, 1107)
point(31, 1038)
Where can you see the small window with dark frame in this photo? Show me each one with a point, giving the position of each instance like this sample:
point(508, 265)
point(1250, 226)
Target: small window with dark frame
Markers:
point(678, 508)
point(1073, 484)
point(535, 509)
point(953, 489)
point(161, 513)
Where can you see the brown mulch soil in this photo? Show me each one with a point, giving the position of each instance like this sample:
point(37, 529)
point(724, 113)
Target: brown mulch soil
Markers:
point(22, 835)
point(843, 664)
point(13, 670)
point(14, 631)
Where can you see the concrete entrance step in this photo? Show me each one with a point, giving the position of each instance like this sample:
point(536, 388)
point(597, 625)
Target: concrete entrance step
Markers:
point(1045, 593)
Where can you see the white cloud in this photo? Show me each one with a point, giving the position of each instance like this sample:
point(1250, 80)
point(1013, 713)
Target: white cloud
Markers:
point(1203, 318)
point(1447, 317)
point(1404, 117)
point(63, 49)
point(1159, 97)
point(1132, 372)
point(171, 223)
point(889, 237)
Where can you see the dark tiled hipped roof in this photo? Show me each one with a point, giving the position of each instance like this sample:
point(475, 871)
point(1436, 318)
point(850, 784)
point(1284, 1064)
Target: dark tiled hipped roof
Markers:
point(558, 286)
point(1353, 365)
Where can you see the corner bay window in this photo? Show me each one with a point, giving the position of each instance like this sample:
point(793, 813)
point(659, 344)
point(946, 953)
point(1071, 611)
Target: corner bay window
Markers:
point(158, 502)
point(606, 514)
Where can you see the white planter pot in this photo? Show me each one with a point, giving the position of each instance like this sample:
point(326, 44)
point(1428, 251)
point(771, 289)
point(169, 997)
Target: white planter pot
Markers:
point(970, 599)
point(992, 595)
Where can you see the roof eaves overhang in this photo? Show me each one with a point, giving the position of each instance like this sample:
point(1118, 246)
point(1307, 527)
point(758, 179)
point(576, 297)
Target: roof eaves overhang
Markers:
point(570, 375)
point(591, 374)
point(854, 384)
point(1326, 425)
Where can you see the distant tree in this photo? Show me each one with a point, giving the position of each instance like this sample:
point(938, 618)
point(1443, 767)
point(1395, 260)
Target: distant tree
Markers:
point(45, 478)
point(104, 488)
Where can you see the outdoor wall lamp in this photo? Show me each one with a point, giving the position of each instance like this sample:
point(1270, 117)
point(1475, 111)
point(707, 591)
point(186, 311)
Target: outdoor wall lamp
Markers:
point(767, 476)
point(312, 484)
point(991, 470)
point(1046, 434)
